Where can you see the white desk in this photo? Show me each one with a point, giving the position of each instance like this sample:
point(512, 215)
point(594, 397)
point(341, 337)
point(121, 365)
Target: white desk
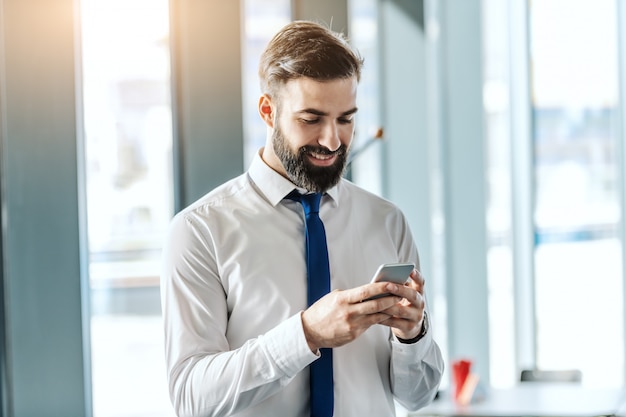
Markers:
point(535, 400)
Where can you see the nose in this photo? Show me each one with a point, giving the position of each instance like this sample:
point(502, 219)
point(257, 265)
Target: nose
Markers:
point(330, 137)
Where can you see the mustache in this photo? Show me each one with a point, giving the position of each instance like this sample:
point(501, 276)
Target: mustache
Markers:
point(322, 150)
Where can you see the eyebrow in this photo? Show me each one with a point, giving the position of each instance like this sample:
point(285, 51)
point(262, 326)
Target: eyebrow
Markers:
point(321, 113)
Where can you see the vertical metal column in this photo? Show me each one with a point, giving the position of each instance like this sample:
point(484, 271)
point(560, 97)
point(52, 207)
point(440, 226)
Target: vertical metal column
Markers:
point(621, 28)
point(333, 13)
point(464, 182)
point(523, 195)
point(206, 95)
point(44, 322)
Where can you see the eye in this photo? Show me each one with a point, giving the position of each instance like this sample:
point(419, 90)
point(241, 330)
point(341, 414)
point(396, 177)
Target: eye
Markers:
point(345, 120)
point(310, 121)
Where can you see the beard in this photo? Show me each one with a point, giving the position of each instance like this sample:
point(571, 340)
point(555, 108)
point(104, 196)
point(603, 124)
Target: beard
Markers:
point(301, 171)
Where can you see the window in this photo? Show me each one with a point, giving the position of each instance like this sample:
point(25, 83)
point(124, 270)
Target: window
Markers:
point(499, 200)
point(366, 167)
point(262, 19)
point(576, 277)
point(578, 265)
point(128, 141)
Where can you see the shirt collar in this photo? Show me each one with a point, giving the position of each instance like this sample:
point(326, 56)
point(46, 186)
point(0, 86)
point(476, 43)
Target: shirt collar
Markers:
point(274, 186)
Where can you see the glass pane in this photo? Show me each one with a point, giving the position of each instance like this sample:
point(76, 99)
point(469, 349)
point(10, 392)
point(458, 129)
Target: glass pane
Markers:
point(499, 204)
point(128, 141)
point(262, 19)
point(365, 168)
point(578, 252)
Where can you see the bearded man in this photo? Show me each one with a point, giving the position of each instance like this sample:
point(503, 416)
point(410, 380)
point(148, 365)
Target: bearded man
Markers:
point(259, 321)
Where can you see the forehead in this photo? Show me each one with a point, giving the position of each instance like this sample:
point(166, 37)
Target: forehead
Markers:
point(331, 96)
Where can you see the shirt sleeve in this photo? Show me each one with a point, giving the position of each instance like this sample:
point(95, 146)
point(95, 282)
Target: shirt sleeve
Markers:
point(205, 376)
point(416, 371)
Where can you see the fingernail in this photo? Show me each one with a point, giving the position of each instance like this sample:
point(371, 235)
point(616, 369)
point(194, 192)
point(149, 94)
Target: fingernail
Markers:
point(392, 287)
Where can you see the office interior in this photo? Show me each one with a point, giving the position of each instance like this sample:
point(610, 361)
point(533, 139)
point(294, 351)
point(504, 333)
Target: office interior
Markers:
point(502, 142)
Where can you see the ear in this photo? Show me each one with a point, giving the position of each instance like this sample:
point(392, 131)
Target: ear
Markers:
point(267, 110)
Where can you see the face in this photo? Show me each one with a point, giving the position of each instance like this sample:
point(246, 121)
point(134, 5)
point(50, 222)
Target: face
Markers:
point(311, 129)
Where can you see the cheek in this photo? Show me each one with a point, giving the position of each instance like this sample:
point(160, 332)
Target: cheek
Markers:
point(300, 135)
point(290, 134)
point(346, 134)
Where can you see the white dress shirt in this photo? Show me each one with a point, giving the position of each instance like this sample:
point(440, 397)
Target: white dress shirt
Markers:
point(233, 289)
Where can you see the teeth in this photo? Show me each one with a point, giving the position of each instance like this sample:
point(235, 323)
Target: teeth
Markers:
point(320, 156)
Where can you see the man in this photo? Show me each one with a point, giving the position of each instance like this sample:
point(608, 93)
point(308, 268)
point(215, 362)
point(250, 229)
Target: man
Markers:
point(241, 339)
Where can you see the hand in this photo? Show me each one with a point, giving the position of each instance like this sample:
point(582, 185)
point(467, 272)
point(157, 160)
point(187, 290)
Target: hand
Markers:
point(407, 316)
point(340, 316)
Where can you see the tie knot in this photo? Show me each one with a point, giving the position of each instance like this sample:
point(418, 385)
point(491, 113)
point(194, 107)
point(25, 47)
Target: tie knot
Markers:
point(310, 202)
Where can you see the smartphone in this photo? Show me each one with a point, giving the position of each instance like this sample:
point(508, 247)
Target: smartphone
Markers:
point(398, 273)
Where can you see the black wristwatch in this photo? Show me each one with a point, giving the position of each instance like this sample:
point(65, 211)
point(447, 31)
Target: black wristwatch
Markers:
point(419, 337)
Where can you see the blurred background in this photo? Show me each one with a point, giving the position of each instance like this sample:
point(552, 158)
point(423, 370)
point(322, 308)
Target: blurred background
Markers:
point(503, 144)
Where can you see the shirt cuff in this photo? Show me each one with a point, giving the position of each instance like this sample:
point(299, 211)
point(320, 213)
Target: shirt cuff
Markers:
point(287, 346)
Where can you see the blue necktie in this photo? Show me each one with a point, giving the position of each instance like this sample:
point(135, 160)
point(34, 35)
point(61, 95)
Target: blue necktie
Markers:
point(318, 285)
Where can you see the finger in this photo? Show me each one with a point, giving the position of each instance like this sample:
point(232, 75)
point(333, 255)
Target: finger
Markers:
point(408, 328)
point(405, 311)
point(377, 305)
point(365, 292)
point(408, 292)
point(417, 281)
point(405, 318)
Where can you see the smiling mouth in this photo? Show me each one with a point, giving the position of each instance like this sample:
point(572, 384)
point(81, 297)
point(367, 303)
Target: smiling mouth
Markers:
point(322, 159)
point(321, 156)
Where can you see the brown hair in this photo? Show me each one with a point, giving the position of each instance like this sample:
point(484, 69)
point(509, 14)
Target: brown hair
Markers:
point(307, 49)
